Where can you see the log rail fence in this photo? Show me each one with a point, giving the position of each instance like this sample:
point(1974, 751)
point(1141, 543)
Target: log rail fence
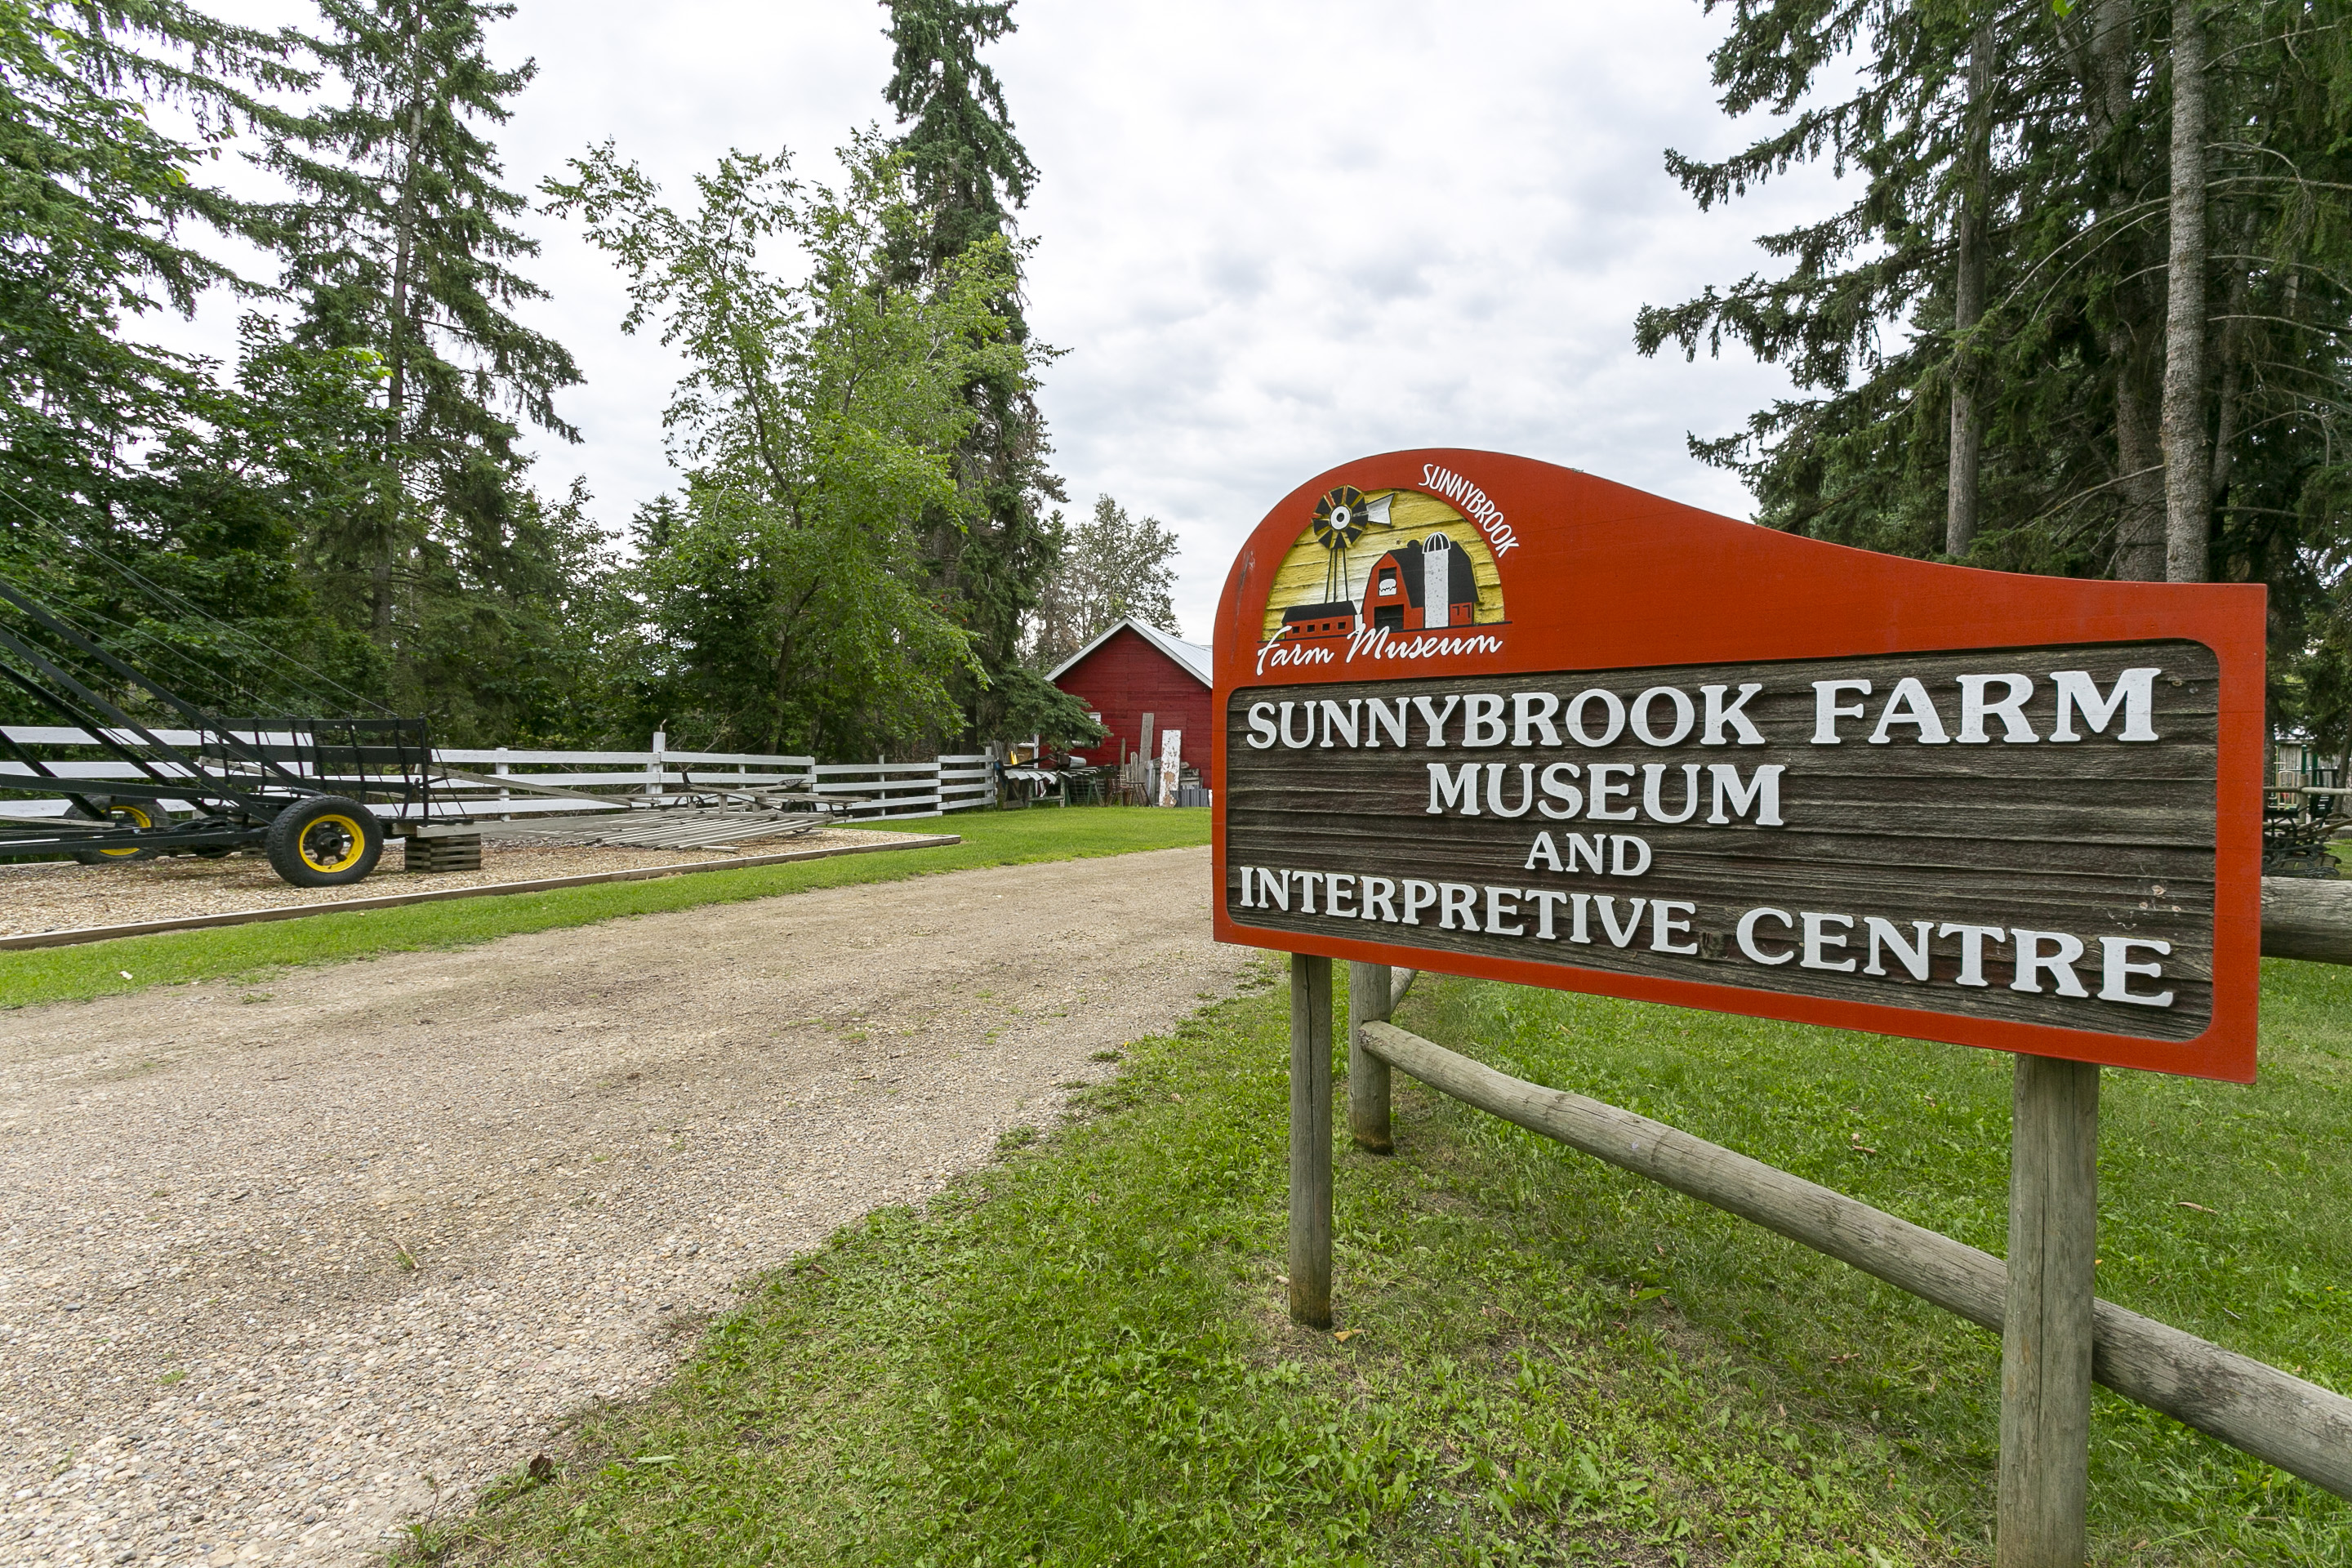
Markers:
point(2057, 1336)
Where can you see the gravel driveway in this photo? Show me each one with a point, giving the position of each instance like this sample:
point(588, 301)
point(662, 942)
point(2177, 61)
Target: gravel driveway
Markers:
point(57, 895)
point(269, 1259)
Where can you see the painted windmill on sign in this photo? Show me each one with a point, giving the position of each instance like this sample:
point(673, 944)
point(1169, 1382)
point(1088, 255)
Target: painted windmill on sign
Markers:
point(1340, 519)
point(1417, 584)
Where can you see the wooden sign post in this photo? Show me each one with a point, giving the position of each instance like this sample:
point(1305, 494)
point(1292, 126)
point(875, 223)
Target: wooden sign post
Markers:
point(1496, 718)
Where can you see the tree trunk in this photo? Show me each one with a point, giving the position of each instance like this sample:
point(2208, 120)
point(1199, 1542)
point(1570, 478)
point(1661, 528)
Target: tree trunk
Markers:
point(395, 386)
point(2188, 479)
point(1961, 505)
point(2231, 351)
point(2139, 461)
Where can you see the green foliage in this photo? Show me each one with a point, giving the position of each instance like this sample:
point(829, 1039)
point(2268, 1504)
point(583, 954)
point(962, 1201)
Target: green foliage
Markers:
point(1036, 706)
point(1081, 1356)
point(2063, 153)
point(1114, 567)
point(988, 559)
point(92, 198)
point(343, 525)
point(192, 573)
point(33, 976)
point(511, 632)
point(400, 239)
point(137, 495)
point(399, 247)
point(784, 597)
point(347, 523)
point(959, 141)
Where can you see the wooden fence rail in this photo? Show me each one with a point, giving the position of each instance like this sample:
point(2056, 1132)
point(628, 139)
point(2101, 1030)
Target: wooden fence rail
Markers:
point(2299, 1427)
point(2306, 918)
point(967, 781)
point(2058, 1338)
point(887, 792)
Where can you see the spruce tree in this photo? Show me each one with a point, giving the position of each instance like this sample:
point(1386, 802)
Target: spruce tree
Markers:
point(96, 205)
point(2116, 257)
point(2102, 242)
point(971, 172)
point(400, 244)
point(140, 495)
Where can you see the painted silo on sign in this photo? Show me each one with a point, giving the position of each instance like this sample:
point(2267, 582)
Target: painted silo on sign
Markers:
point(1420, 586)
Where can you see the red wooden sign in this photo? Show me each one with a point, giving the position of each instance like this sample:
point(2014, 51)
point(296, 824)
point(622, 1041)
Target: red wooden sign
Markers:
point(1487, 716)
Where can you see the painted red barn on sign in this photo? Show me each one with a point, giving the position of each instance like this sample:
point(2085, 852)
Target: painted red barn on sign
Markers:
point(1133, 669)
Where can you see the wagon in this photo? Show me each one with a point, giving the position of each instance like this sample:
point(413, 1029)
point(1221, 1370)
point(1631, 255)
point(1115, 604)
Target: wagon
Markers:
point(300, 790)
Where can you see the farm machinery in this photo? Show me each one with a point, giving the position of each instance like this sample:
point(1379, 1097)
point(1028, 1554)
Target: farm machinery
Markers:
point(2299, 825)
point(311, 793)
point(298, 790)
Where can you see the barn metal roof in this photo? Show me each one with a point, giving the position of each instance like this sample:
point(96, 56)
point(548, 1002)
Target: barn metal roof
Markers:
point(1192, 656)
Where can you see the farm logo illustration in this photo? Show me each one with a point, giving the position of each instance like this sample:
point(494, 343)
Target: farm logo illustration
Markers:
point(1395, 574)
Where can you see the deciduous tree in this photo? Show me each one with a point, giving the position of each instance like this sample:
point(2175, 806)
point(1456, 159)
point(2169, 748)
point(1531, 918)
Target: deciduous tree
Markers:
point(1114, 566)
point(784, 597)
point(988, 559)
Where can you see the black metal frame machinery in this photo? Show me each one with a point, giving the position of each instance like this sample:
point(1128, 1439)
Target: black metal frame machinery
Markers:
point(299, 789)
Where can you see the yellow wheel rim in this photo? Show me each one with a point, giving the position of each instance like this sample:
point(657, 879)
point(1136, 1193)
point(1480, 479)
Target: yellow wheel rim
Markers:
point(131, 816)
point(336, 849)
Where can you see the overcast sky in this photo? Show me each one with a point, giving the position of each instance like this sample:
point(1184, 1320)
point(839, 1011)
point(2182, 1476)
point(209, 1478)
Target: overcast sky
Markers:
point(1271, 238)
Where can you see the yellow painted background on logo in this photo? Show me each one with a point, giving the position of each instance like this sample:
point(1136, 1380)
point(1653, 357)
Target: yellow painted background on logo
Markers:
point(1413, 515)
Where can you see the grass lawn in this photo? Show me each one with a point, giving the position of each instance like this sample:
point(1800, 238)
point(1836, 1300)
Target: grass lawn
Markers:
point(989, 838)
point(1081, 1356)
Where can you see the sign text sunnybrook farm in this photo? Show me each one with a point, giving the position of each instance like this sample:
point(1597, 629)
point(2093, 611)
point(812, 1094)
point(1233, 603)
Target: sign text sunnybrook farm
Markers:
point(2024, 834)
point(1494, 718)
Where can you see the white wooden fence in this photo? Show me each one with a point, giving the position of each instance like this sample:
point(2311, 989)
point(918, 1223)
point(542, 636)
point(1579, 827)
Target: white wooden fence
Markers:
point(891, 790)
point(887, 792)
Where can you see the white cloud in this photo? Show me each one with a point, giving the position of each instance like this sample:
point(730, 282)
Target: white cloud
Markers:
point(1271, 238)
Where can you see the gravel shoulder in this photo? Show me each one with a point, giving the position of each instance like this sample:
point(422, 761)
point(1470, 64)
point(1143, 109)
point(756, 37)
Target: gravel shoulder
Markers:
point(273, 1259)
point(59, 895)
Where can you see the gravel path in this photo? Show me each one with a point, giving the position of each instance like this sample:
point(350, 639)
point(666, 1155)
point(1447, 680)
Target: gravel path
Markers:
point(214, 1346)
point(59, 895)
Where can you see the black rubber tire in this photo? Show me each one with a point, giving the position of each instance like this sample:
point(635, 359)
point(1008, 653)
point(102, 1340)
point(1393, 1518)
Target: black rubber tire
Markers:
point(324, 842)
point(133, 815)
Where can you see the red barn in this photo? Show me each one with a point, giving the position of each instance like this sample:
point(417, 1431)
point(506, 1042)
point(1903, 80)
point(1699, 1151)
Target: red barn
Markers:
point(1422, 584)
point(1133, 669)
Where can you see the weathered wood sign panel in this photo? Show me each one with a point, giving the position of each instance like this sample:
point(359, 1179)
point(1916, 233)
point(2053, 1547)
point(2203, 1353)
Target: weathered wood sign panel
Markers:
point(1487, 716)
